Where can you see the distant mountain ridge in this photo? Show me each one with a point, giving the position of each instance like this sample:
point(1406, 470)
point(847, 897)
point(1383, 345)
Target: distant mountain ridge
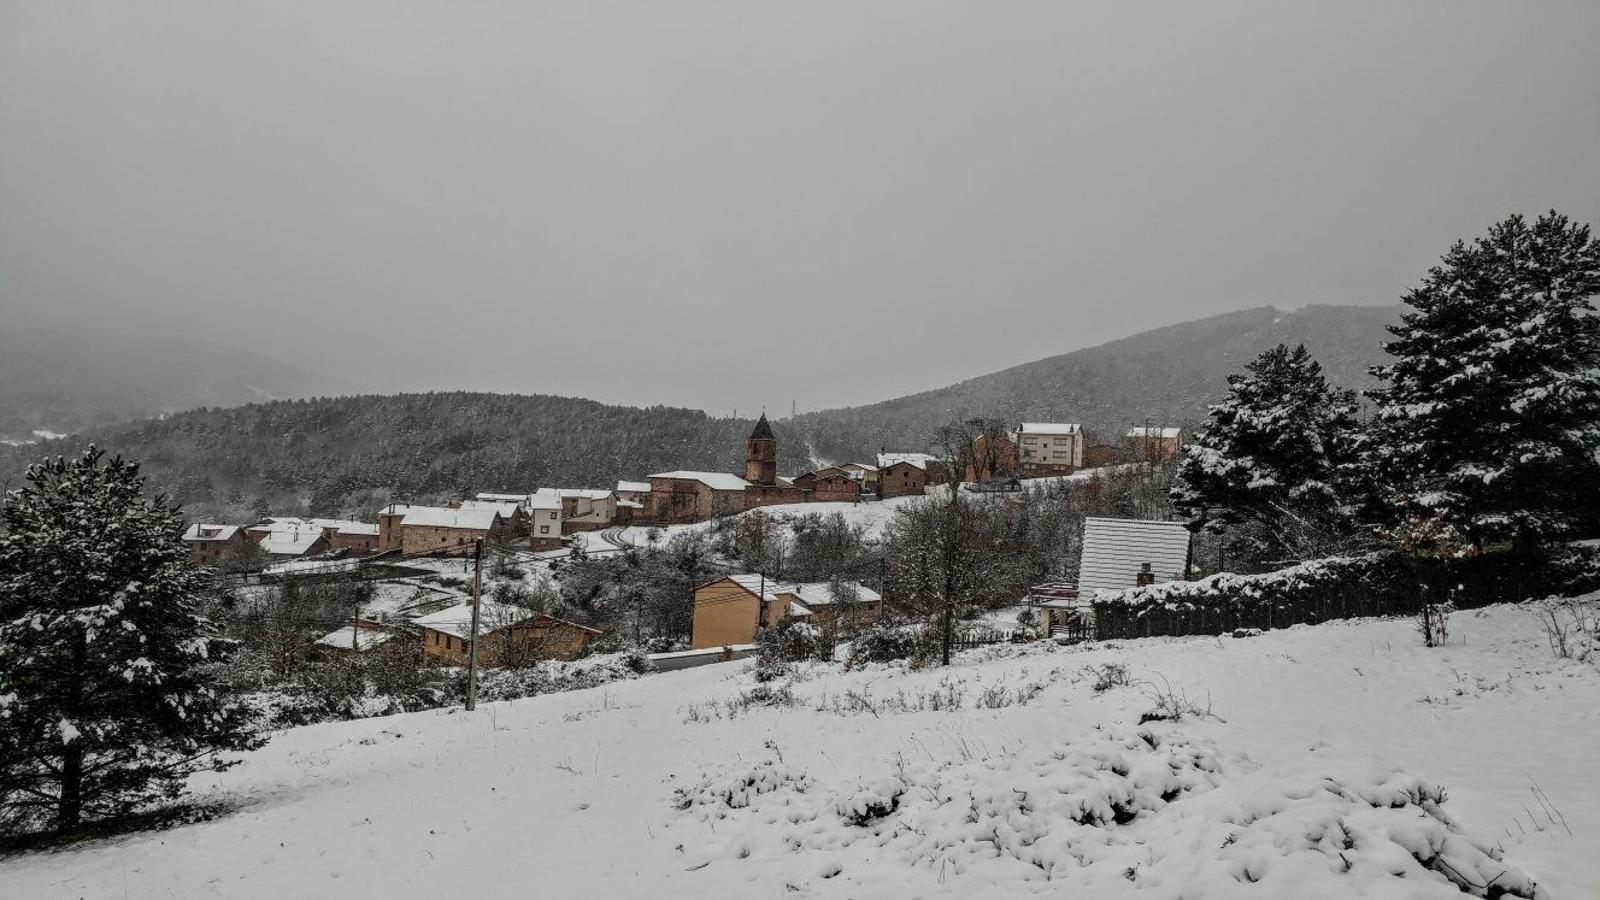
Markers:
point(349, 455)
point(1167, 376)
point(67, 382)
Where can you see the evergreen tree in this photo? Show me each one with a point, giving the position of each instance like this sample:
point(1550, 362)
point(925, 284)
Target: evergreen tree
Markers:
point(1270, 466)
point(1488, 425)
point(102, 707)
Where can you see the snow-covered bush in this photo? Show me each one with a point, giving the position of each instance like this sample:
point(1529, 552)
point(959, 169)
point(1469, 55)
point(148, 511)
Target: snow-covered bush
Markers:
point(549, 677)
point(1104, 815)
point(888, 642)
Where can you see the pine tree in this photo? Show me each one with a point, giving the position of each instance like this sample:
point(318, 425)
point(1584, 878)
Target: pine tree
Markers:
point(102, 707)
point(1271, 464)
point(1488, 425)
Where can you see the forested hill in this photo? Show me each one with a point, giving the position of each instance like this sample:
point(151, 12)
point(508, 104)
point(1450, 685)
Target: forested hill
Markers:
point(1168, 375)
point(352, 455)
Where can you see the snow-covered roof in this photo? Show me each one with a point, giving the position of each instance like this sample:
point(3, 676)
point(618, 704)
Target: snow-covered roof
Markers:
point(1145, 431)
point(444, 517)
point(492, 616)
point(395, 509)
point(630, 504)
point(1049, 428)
point(717, 481)
point(633, 487)
point(365, 638)
point(312, 567)
point(528, 502)
point(291, 541)
point(920, 460)
point(295, 523)
point(865, 467)
point(1115, 550)
point(580, 493)
point(817, 593)
point(506, 509)
point(199, 532)
point(347, 526)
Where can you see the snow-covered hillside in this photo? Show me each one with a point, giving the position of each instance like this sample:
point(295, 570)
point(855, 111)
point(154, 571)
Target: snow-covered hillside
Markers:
point(1007, 774)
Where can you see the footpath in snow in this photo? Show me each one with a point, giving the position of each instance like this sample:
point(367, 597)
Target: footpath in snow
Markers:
point(1339, 760)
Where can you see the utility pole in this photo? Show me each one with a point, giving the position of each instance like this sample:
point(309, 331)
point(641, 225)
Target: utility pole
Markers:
point(472, 648)
point(761, 607)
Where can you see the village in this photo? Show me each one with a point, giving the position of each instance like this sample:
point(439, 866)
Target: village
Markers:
point(408, 545)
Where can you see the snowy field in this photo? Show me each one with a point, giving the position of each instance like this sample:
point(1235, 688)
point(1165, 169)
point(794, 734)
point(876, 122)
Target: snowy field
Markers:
point(1008, 774)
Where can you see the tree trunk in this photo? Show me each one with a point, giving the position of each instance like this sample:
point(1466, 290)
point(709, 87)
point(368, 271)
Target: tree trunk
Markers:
point(69, 807)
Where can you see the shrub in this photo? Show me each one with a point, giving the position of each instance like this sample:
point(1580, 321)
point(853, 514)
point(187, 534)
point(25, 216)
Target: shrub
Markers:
point(887, 642)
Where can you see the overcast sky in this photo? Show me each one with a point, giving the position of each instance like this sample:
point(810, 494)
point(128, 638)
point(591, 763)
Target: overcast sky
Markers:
point(736, 204)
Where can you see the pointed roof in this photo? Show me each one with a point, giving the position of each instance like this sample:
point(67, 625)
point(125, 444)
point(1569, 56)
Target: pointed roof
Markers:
point(763, 431)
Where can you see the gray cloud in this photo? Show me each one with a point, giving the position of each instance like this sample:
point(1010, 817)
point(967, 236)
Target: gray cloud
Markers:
point(735, 204)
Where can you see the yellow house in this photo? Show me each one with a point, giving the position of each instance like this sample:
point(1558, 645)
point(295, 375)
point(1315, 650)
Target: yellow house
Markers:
point(728, 611)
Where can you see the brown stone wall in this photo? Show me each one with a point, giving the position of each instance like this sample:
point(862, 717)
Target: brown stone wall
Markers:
point(770, 495)
point(441, 539)
point(356, 544)
point(679, 500)
point(389, 532)
point(901, 480)
point(835, 488)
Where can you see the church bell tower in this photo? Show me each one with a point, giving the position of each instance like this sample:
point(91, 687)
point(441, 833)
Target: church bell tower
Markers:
point(761, 454)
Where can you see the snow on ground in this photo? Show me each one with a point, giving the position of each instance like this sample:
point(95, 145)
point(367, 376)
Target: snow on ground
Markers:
point(1008, 774)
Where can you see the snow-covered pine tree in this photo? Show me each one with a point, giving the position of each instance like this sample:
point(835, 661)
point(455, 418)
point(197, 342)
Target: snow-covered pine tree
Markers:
point(1269, 466)
point(1488, 423)
point(102, 707)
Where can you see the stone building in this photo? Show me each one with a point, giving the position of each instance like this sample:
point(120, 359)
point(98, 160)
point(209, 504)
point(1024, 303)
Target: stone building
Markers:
point(1155, 444)
point(932, 465)
point(208, 544)
point(830, 485)
point(901, 479)
point(439, 530)
point(687, 496)
point(1049, 448)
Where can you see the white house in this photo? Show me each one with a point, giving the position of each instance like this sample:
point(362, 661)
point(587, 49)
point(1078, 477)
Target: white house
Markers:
point(544, 517)
point(584, 509)
point(1050, 448)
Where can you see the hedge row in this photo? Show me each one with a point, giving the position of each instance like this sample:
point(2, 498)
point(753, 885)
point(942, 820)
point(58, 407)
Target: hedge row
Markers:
point(1384, 584)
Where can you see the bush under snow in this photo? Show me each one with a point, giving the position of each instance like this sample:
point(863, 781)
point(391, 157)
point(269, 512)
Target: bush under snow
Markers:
point(1150, 810)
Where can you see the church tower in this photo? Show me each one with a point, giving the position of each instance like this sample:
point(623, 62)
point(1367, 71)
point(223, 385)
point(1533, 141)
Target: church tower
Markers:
point(761, 454)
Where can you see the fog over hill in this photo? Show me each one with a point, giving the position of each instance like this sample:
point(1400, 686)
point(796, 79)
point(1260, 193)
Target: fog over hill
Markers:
point(71, 381)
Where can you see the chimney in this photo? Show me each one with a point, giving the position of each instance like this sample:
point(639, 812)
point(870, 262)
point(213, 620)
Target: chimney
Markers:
point(1145, 576)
